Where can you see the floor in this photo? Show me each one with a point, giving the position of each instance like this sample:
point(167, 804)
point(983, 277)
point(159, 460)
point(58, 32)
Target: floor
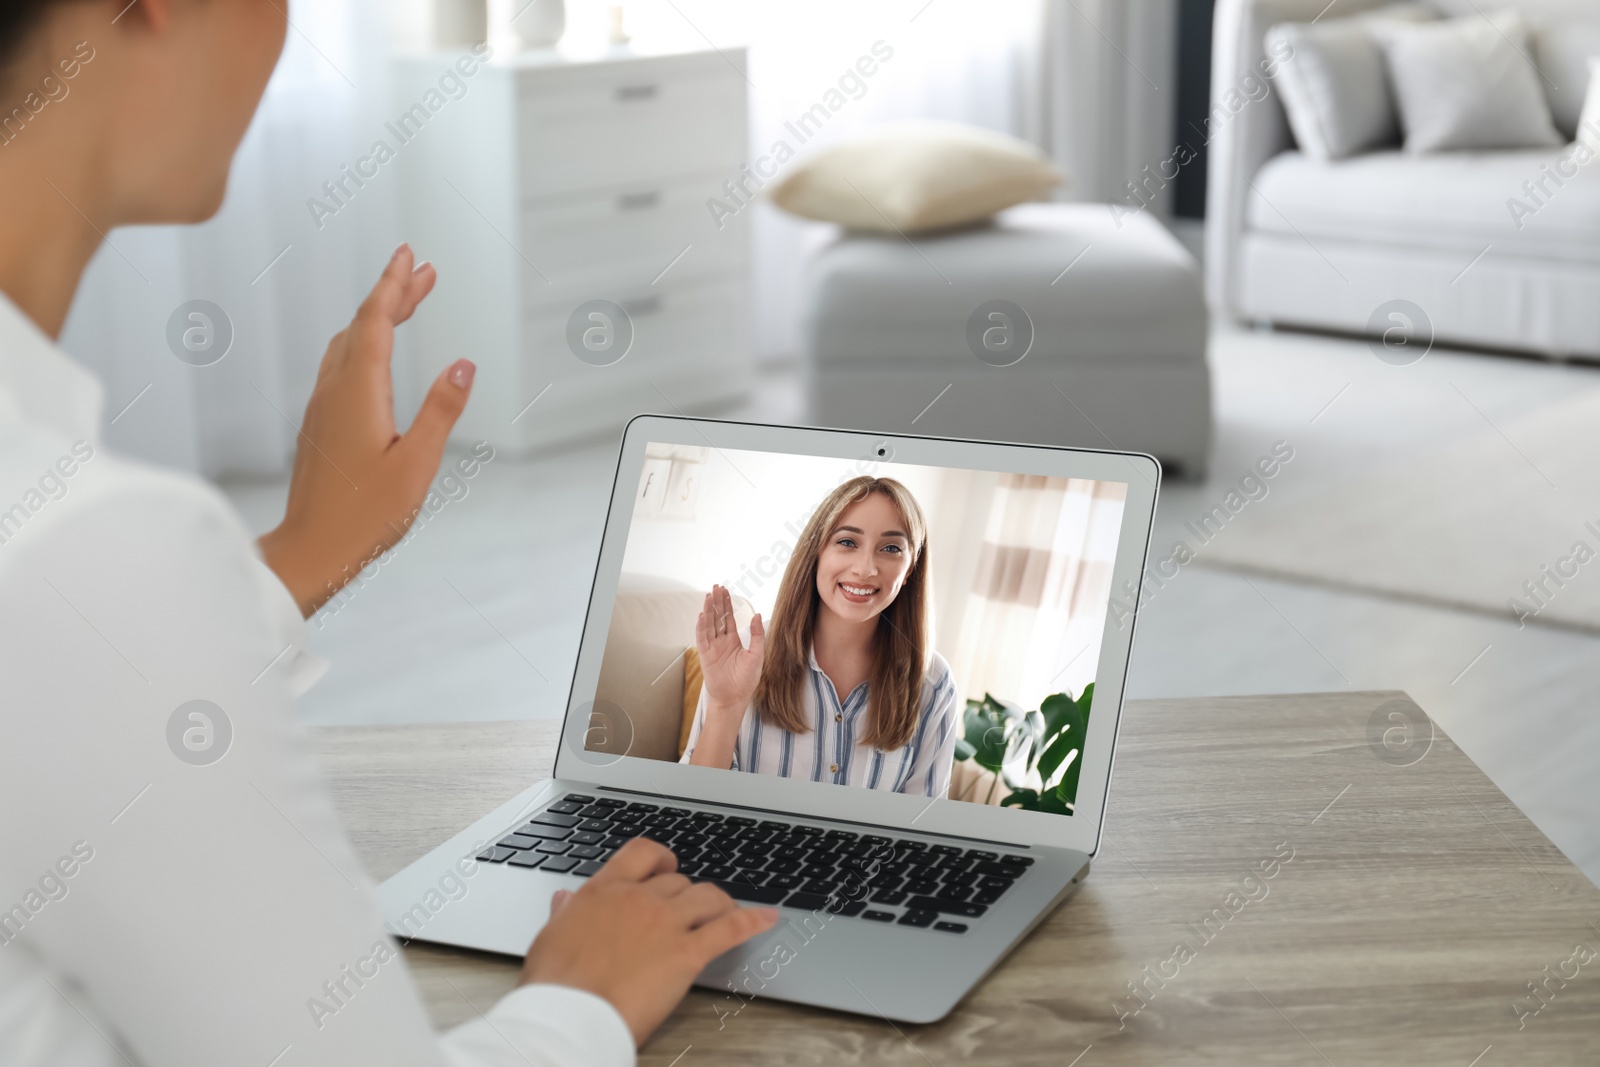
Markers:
point(447, 628)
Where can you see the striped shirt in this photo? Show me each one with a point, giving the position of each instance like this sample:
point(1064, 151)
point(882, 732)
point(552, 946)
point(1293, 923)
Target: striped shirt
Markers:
point(829, 751)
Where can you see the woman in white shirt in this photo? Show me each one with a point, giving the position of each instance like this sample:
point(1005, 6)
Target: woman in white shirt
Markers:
point(155, 909)
point(851, 617)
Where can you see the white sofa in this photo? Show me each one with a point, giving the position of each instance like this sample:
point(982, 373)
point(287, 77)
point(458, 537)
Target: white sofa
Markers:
point(1295, 242)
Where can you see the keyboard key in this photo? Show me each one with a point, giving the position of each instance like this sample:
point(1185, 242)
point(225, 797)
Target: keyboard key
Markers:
point(824, 886)
point(738, 820)
point(999, 870)
point(678, 812)
point(919, 918)
point(586, 852)
point(878, 916)
point(992, 882)
point(611, 802)
point(807, 901)
point(560, 864)
point(615, 841)
point(961, 878)
point(716, 872)
point(847, 908)
point(595, 824)
point(754, 894)
point(951, 928)
point(974, 854)
point(496, 854)
point(553, 848)
point(1020, 861)
point(595, 811)
point(987, 896)
point(577, 798)
point(526, 859)
point(921, 886)
point(784, 881)
point(519, 841)
point(552, 818)
point(561, 807)
point(953, 892)
point(945, 850)
point(891, 897)
point(949, 907)
point(689, 868)
point(549, 833)
point(587, 837)
point(588, 868)
point(744, 877)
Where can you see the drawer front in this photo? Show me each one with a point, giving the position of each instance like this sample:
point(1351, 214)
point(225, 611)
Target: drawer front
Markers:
point(605, 131)
point(625, 240)
point(674, 329)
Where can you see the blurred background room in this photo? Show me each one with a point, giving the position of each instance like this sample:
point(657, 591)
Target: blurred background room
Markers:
point(1345, 295)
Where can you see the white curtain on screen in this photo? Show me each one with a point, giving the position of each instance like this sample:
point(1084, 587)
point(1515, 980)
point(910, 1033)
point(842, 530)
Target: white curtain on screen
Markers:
point(1036, 610)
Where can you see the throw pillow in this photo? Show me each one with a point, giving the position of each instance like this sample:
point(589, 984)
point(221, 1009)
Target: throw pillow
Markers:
point(1588, 127)
point(912, 176)
point(1561, 51)
point(1467, 83)
point(1335, 90)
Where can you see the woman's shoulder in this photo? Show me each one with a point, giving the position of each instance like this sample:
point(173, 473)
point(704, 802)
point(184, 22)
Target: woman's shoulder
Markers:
point(938, 673)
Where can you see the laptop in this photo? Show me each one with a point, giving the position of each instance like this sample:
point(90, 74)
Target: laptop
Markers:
point(903, 874)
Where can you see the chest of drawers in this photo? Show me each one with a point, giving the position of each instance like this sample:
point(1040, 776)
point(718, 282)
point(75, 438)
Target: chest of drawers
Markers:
point(539, 186)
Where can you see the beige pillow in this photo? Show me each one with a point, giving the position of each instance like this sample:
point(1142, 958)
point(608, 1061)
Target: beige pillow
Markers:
point(920, 175)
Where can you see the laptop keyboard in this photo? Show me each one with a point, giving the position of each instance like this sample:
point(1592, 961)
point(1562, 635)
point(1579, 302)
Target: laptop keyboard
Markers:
point(875, 878)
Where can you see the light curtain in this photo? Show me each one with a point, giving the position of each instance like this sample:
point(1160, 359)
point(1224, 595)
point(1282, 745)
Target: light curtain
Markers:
point(1036, 609)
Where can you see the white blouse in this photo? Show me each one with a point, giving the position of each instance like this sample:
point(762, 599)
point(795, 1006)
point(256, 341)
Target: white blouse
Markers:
point(829, 752)
point(156, 908)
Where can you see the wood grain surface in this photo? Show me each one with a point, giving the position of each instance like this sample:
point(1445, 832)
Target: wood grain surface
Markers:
point(1415, 908)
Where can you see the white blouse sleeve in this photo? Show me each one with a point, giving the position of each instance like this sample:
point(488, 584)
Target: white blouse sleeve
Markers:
point(220, 902)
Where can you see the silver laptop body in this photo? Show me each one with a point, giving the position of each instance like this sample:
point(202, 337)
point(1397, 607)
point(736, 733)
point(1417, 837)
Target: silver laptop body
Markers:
point(847, 949)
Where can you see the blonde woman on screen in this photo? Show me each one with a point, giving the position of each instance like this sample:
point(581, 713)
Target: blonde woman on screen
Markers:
point(847, 689)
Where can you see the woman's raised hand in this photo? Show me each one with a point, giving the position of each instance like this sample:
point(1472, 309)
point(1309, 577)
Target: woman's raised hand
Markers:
point(731, 671)
point(357, 481)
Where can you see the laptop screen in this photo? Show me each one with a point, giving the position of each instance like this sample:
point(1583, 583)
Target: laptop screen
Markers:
point(872, 625)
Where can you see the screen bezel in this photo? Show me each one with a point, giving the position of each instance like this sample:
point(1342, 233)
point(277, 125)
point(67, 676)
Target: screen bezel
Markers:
point(1081, 830)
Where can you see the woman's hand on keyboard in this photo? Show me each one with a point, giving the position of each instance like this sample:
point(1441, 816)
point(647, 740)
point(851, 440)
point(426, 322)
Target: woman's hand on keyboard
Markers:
point(638, 933)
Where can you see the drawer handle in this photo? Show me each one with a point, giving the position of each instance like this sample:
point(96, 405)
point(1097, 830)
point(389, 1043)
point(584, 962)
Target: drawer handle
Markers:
point(638, 201)
point(629, 93)
point(646, 305)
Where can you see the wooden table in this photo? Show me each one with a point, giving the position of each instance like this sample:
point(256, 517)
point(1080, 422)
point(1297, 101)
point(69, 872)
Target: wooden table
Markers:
point(1417, 906)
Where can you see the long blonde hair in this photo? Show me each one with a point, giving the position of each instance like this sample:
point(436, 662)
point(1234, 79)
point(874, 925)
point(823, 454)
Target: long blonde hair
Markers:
point(900, 643)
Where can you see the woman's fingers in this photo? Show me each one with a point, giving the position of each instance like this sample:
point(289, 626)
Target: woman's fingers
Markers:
point(667, 885)
point(758, 635)
point(701, 903)
point(559, 901)
point(636, 861)
point(734, 928)
point(443, 405)
point(418, 285)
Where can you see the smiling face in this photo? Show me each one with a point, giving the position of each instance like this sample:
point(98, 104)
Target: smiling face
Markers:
point(864, 560)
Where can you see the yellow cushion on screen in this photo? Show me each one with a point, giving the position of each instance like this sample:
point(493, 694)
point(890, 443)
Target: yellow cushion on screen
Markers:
point(691, 695)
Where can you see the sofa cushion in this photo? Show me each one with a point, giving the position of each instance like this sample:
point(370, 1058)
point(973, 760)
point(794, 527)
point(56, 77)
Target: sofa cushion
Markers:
point(1466, 83)
point(1456, 203)
point(1561, 50)
point(1335, 89)
point(1099, 283)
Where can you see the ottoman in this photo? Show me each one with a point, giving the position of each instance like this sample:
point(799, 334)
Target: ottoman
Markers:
point(1058, 324)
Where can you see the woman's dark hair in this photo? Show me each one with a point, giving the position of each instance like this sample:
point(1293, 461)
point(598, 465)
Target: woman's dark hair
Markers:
point(18, 21)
